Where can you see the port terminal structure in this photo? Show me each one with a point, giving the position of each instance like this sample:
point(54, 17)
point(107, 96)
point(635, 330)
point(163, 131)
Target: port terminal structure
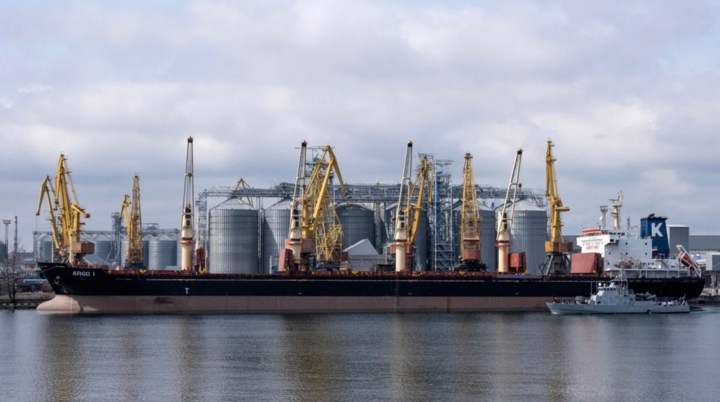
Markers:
point(383, 195)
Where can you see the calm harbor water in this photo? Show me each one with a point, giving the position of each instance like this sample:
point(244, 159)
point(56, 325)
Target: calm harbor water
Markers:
point(360, 357)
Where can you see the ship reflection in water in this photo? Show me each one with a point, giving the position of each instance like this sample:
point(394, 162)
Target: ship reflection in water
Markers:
point(359, 357)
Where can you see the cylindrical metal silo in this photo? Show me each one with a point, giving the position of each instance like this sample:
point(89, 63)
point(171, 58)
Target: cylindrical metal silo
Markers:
point(123, 251)
point(529, 232)
point(103, 246)
point(421, 242)
point(44, 248)
point(163, 253)
point(387, 229)
point(233, 235)
point(358, 223)
point(146, 249)
point(488, 234)
point(276, 225)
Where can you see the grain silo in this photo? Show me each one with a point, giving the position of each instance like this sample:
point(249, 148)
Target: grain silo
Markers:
point(162, 252)
point(276, 225)
point(233, 240)
point(529, 233)
point(44, 248)
point(103, 246)
point(358, 223)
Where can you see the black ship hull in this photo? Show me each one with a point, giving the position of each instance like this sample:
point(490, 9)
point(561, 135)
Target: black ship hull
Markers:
point(89, 290)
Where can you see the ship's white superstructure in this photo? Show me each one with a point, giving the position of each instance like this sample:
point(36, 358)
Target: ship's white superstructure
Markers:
point(624, 247)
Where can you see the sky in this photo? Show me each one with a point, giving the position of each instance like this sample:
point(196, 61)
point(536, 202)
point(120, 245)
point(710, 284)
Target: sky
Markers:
point(629, 92)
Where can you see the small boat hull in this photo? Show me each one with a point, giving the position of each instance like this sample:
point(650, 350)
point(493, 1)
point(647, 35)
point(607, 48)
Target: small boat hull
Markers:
point(570, 308)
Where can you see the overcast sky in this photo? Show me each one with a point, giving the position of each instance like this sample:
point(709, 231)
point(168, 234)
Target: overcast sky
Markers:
point(628, 90)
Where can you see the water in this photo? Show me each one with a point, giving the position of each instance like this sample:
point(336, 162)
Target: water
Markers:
point(360, 357)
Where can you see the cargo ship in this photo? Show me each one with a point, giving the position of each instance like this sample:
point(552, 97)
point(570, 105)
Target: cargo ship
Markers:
point(99, 290)
point(80, 288)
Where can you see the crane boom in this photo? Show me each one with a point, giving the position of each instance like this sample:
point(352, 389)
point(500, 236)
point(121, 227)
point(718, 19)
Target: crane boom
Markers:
point(406, 232)
point(424, 185)
point(470, 217)
point(557, 258)
point(187, 233)
point(505, 222)
point(133, 222)
point(553, 197)
point(314, 225)
point(400, 245)
point(67, 225)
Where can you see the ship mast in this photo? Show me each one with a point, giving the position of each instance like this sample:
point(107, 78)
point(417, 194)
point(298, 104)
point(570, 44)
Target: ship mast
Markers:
point(505, 222)
point(403, 207)
point(616, 205)
point(187, 233)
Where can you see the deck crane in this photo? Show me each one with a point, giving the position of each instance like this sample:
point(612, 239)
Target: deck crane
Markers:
point(67, 225)
point(133, 222)
point(505, 222)
point(407, 215)
point(557, 251)
point(187, 233)
point(470, 222)
point(315, 235)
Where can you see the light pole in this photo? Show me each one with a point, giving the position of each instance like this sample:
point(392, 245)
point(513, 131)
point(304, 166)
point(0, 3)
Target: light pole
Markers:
point(7, 224)
point(7, 257)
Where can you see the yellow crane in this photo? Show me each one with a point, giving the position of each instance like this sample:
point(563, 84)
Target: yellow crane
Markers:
point(505, 222)
point(315, 230)
point(407, 216)
point(557, 251)
point(470, 221)
point(67, 225)
point(133, 222)
point(244, 200)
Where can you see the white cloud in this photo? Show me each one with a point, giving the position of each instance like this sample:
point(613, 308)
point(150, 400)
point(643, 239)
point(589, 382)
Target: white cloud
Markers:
point(35, 89)
point(6, 102)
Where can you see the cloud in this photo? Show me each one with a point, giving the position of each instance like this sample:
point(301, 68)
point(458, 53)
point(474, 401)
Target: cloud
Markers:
point(6, 102)
point(124, 86)
point(35, 89)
